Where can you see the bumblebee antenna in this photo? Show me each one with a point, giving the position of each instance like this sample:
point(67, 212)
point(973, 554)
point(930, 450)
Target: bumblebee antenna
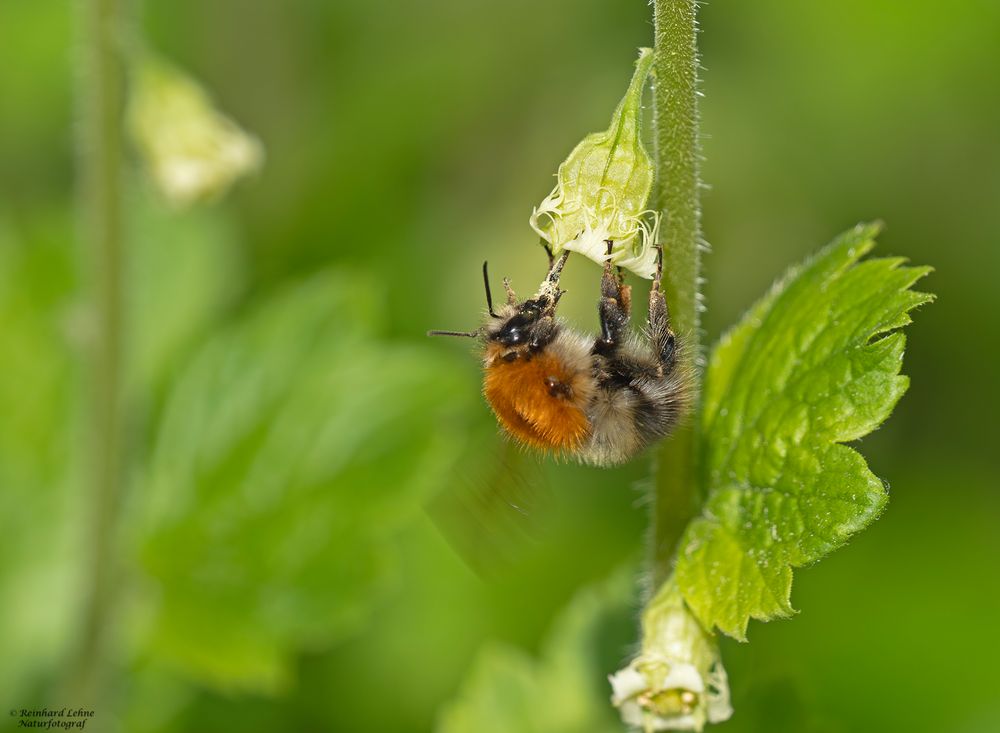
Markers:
point(465, 334)
point(489, 295)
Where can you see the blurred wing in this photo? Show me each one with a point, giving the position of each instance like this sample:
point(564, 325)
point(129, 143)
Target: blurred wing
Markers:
point(490, 513)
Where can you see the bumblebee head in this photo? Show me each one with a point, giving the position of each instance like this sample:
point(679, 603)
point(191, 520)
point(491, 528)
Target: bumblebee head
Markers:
point(515, 330)
point(530, 323)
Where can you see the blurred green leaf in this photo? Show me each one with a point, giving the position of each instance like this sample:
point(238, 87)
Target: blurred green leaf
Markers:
point(38, 405)
point(565, 691)
point(292, 447)
point(183, 271)
point(812, 365)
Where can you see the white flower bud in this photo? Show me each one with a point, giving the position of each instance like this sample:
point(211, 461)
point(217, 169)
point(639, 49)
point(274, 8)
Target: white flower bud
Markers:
point(602, 190)
point(677, 682)
point(191, 150)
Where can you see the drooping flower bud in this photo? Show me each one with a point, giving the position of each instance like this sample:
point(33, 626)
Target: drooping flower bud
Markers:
point(603, 188)
point(192, 151)
point(677, 682)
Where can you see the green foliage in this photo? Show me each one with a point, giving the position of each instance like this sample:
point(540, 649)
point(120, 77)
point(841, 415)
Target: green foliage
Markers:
point(813, 365)
point(564, 691)
point(180, 275)
point(280, 474)
point(38, 406)
point(36, 283)
point(183, 270)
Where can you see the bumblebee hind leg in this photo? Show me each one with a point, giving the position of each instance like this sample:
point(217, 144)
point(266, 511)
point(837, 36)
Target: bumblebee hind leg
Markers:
point(614, 308)
point(664, 342)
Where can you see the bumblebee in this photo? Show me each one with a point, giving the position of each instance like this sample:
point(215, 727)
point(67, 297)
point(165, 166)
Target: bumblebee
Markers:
point(600, 400)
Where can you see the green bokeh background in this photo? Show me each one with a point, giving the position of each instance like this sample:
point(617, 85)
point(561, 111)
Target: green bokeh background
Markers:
point(406, 143)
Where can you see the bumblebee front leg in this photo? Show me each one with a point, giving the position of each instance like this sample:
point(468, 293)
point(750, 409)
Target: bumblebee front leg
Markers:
point(663, 340)
point(614, 308)
point(549, 293)
point(511, 296)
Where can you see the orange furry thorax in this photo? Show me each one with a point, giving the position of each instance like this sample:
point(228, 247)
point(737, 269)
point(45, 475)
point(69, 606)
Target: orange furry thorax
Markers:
point(538, 399)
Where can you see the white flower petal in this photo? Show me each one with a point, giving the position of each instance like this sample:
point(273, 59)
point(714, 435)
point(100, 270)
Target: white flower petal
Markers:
point(192, 151)
point(626, 683)
point(684, 677)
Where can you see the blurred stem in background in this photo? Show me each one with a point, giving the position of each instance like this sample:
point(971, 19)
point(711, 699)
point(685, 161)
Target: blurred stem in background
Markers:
point(678, 156)
point(99, 100)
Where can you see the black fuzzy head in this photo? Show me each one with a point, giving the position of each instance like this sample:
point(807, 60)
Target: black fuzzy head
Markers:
point(531, 324)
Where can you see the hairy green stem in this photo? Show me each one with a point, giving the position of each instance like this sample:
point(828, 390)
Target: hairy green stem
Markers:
point(675, 112)
point(99, 100)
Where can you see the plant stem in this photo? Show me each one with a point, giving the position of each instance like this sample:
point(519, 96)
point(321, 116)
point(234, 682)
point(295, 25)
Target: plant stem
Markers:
point(675, 111)
point(99, 99)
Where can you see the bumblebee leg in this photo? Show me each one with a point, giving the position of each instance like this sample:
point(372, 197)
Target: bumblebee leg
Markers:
point(556, 268)
point(511, 297)
point(664, 341)
point(614, 308)
point(549, 293)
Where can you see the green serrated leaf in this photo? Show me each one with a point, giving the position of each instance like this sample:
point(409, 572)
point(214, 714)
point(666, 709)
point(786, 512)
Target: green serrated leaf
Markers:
point(564, 691)
point(814, 364)
point(292, 448)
